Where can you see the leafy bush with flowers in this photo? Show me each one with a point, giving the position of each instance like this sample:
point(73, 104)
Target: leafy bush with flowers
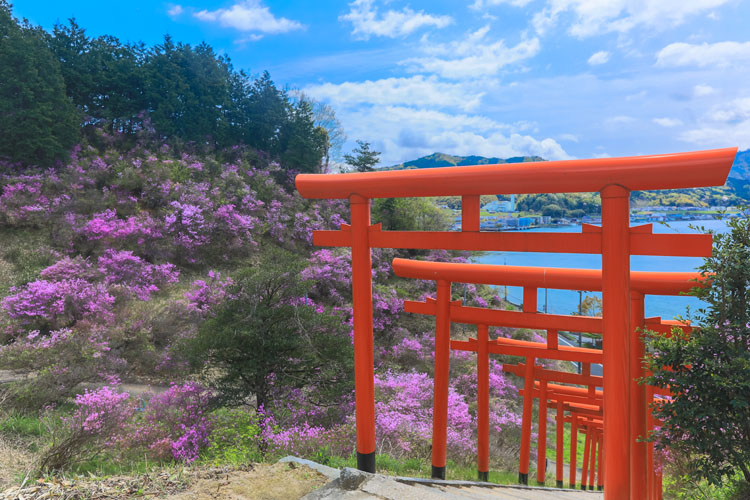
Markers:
point(175, 424)
point(96, 424)
point(146, 246)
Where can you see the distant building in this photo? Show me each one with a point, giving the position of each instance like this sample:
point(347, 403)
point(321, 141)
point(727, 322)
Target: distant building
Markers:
point(502, 206)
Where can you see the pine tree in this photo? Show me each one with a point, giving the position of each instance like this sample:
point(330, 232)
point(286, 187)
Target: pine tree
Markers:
point(38, 122)
point(364, 159)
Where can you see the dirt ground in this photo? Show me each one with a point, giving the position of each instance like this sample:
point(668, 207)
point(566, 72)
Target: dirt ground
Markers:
point(14, 461)
point(281, 481)
point(268, 482)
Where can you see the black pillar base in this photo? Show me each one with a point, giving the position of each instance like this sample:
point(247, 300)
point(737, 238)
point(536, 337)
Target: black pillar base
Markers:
point(438, 472)
point(583, 487)
point(591, 487)
point(366, 462)
point(559, 484)
point(483, 475)
point(572, 485)
point(600, 487)
point(523, 478)
point(540, 483)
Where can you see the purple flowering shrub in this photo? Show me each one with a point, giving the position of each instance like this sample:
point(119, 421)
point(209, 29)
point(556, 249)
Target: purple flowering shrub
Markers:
point(175, 424)
point(130, 274)
point(96, 424)
point(204, 295)
point(59, 361)
point(44, 304)
point(137, 234)
point(72, 290)
point(403, 417)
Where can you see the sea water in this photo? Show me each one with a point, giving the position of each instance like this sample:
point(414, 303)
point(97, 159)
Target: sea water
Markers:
point(566, 301)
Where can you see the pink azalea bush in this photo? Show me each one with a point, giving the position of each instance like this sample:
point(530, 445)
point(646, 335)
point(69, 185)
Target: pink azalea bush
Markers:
point(204, 295)
point(175, 424)
point(58, 303)
point(403, 417)
point(122, 270)
point(128, 226)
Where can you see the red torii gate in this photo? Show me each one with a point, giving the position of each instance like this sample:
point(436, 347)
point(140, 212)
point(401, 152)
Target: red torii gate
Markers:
point(531, 278)
point(613, 178)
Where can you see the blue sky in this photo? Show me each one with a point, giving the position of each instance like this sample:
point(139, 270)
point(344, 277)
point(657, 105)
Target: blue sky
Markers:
point(554, 78)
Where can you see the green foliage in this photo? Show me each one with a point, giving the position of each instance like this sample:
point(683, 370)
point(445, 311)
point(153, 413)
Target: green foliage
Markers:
point(409, 214)
point(364, 159)
point(38, 123)
point(102, 76)
point(591, 306)
point(707, 420)
point(302, 144)
point(234, 438)
point(553, 210)
point(559, 205)
point(680, 484)
point(265, 337)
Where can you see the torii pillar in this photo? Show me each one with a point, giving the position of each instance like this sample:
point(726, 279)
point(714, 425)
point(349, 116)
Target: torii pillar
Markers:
point(616, 339)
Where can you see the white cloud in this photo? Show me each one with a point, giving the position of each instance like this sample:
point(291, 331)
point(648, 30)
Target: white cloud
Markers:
point(702, 90)
point(249, 15)
point(619, 120)
point(668, 122)
point(483, 4)
point(568, 137)
point(723, 126)
point(600, 57)
point(175, 11)
point(403, 133)
point(472, 56)
point(594, 17)
point(417, 91)
point(367, 21)
point(735, 111)
point(721, 54)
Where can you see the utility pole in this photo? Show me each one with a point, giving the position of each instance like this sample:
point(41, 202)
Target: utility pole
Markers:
point(580, 313)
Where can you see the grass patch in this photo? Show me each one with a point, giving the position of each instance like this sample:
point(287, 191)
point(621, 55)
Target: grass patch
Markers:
point(21, 426)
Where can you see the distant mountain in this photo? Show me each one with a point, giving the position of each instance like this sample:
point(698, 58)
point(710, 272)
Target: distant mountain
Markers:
point(738, 176)
point(741, 167)
point(737, 188)
point(444, 160)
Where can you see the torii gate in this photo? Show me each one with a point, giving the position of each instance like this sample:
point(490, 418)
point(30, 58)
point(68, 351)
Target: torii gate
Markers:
point(532, 278)
point(613, 178)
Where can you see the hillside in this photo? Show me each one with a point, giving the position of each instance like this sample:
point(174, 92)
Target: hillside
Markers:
point(741, 168)
point(445, 160)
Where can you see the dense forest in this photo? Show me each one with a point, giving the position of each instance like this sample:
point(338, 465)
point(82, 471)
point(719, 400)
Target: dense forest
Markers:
point(57, 87)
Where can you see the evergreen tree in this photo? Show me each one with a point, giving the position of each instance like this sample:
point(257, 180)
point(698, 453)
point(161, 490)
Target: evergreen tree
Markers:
point(707, 421)
point(302, 144)
point(187, 91)
point(38, 122)
point(267, 111)
point(364, 159)
point(265, 336)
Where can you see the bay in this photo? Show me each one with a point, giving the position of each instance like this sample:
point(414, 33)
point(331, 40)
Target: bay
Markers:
point(566, 301)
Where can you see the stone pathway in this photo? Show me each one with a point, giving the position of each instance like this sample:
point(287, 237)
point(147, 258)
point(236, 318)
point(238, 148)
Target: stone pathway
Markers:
point(352, 484)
